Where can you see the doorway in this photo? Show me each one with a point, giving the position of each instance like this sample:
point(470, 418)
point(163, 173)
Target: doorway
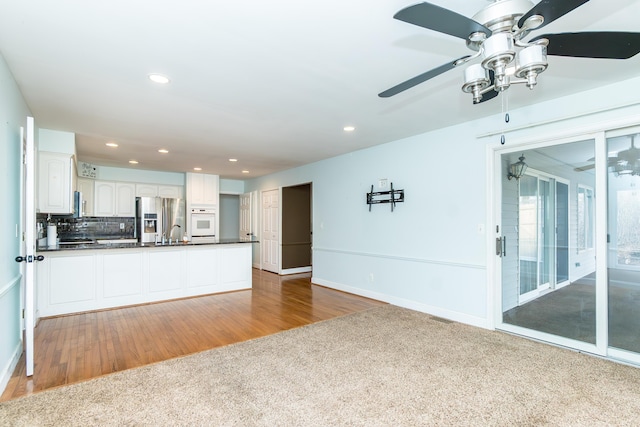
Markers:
point(296, 229)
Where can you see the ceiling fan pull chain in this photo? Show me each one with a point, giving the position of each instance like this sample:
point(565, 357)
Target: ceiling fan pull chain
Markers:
point(505, 107)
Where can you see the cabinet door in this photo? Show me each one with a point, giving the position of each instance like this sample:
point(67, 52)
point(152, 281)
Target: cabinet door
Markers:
point(125, 199)
point(195, 188)
point(210, 190)
point(170, 191)
point(86, 187)
point(105, 198)
point(202, 189)
point(55, 192)
point(147, 190)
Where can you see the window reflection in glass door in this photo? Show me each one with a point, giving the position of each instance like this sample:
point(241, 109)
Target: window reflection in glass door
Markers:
point(551, 262)
point(624, 241)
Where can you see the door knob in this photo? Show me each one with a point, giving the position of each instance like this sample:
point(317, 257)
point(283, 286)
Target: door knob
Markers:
point(30, 258)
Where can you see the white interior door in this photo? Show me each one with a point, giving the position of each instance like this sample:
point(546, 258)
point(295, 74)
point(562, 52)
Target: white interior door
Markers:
point(246, 229)
point(270, 231)
point(29, 242)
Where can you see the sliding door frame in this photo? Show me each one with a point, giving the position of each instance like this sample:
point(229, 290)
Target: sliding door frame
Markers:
point(495, 264)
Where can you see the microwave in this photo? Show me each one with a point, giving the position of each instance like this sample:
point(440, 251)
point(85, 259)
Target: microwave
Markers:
point(203, 222)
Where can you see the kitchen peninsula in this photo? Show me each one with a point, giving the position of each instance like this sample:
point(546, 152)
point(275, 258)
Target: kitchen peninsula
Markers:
point(78, 278)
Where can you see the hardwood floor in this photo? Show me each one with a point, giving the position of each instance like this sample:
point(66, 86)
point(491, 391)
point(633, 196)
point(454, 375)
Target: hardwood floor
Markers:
point(79, 347)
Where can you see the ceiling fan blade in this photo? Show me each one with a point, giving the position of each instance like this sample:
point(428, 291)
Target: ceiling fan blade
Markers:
point(596, 44)
point(492, 93)
point(420, 78)
point(439, 19)
point(584, 168)
point(551, 10)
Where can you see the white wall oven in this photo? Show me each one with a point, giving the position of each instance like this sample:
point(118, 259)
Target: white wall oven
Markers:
point(203, 224)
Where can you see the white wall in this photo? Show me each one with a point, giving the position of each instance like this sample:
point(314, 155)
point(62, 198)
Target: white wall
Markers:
point(428, 254)
point(231, 186)
point(13, 115)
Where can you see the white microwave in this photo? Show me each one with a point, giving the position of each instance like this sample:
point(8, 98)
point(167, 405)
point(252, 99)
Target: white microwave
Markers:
point(203, 222)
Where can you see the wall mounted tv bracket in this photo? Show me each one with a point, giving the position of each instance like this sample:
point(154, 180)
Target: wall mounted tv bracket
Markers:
point(392, 197)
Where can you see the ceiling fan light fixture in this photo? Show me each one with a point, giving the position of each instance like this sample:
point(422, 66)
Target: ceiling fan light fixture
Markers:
point(476, 78)
point(498, 52)
point(530, 62)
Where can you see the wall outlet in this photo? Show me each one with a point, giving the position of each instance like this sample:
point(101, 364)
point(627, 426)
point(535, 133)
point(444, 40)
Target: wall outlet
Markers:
point(122, 226)
point(382, 183)
point(371, 277)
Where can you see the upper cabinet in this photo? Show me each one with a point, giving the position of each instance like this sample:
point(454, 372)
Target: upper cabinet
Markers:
point(146, 190)
point(202, 190)
point(114, 199)
point(86, 187)
point(152, 190)
point(170, 191)
point(56, 179)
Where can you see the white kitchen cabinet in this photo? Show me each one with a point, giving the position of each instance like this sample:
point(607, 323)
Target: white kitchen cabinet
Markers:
point(114, 199)
point(125, 199)
point(55, 183)
point(72, 281)
point(146, 190)
point(202, 189)
point(86, 187)
point(171, 191)
point(105, 198)
point(152, 190)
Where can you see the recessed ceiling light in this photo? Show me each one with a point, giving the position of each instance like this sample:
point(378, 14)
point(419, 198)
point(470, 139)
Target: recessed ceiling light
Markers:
point(111, 144)
point(133, 162)
point(348, 128)
point(159, 78)
point(233, 160)
point(163, 151)
point(197, 169)
point(245, 171)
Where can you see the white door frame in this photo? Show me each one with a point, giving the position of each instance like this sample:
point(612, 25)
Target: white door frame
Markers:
point(29, 243)
point(494, 265)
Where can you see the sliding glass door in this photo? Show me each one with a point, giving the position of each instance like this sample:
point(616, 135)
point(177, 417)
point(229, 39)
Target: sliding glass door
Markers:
point(549, 265)
point(623, 228)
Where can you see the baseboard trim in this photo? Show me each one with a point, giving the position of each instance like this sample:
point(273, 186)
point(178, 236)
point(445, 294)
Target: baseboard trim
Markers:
point(296, 270)
point(412, 305)
point(10, 367)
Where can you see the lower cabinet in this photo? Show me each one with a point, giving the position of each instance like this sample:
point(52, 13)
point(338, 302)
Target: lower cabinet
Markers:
point(83, 280)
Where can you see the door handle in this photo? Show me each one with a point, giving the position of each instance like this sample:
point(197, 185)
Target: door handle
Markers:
point(501, 246)
point(29, 258)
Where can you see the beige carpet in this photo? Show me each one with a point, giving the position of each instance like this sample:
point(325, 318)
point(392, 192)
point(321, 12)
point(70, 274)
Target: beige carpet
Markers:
point(384, 367)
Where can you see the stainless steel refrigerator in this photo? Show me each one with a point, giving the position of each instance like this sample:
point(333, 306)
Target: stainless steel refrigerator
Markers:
point(159, 220)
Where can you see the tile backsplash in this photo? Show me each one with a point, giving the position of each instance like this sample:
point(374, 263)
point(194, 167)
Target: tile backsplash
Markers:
point(90, 227)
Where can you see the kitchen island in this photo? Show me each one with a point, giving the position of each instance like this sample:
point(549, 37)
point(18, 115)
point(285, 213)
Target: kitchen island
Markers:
point(86, 277)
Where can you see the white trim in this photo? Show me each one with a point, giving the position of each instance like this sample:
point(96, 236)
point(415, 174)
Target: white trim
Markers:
point(401, 258)
point(550, 338)
point(480, 322)
point(562, 119)
point(624, 356)
point(600, 244)
point(296, 270)
point(13, 282)
point(7, 371)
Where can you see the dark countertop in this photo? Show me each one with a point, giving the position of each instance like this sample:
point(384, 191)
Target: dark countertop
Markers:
point(85, 246)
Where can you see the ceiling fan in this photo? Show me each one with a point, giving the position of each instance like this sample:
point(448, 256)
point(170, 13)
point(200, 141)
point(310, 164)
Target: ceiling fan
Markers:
point(625, 162)
point(496, 34)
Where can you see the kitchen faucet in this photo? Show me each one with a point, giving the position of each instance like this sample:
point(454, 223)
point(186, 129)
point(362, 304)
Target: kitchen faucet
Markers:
point(171, 231)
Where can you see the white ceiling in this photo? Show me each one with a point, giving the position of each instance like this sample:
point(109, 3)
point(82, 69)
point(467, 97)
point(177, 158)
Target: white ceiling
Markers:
point(271, 83)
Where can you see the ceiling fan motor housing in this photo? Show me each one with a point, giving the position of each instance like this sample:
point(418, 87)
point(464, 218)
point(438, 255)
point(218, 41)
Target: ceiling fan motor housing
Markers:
point(502, 15)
